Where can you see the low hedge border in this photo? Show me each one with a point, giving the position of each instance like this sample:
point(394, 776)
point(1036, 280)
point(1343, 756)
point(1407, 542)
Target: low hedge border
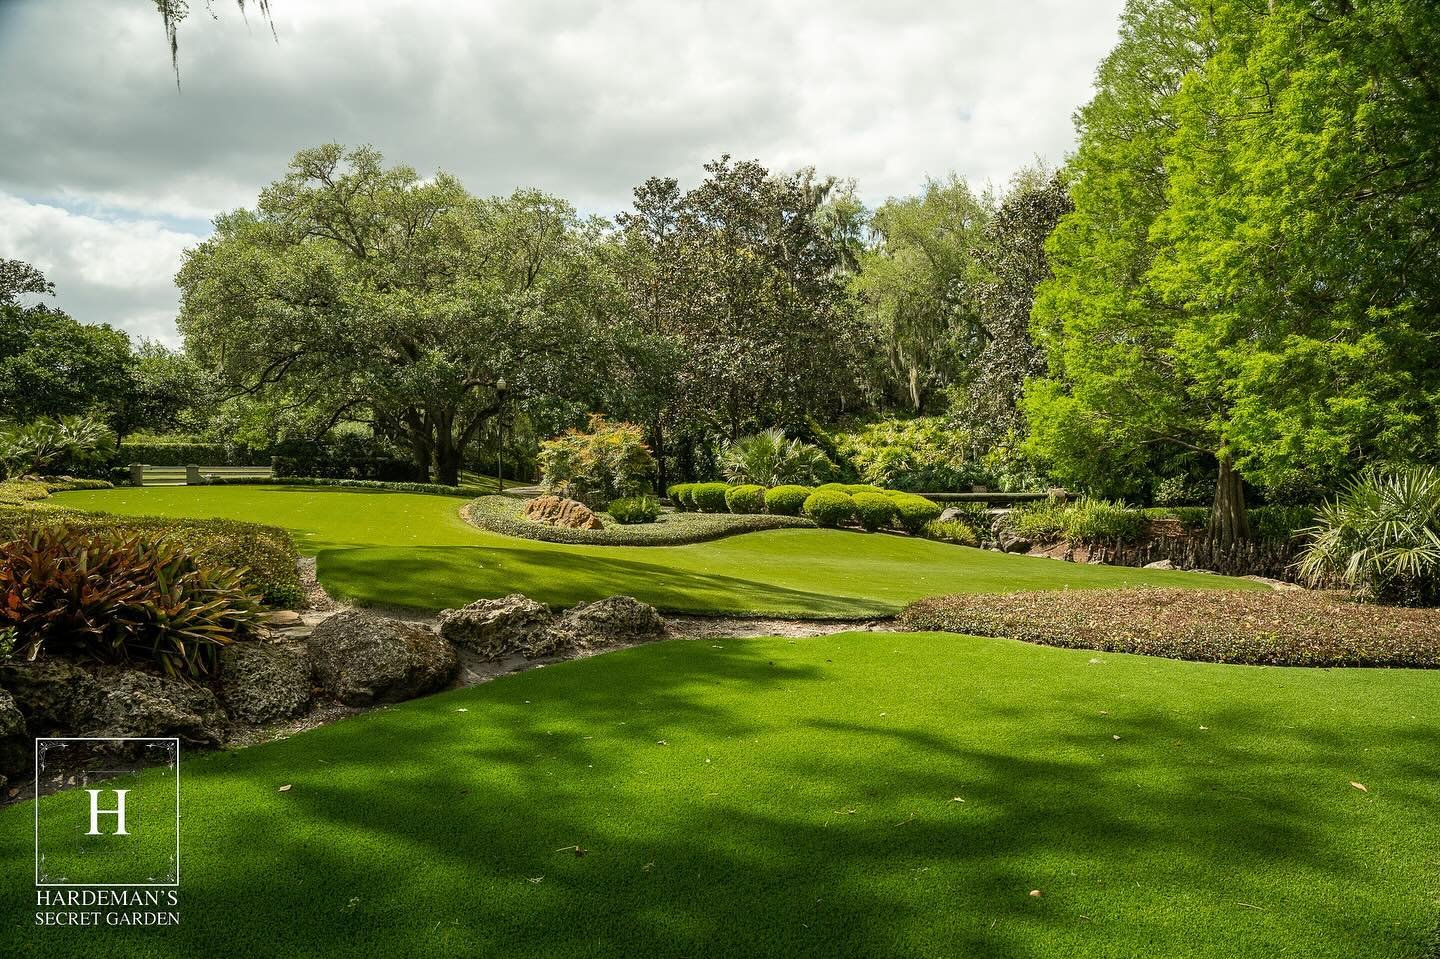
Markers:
point(436, 489)
point(266, 553)
point(502, 514)
point(1252, 627)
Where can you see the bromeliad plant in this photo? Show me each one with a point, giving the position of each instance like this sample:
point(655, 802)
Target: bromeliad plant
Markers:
point(1380, 538)
point(115, 597)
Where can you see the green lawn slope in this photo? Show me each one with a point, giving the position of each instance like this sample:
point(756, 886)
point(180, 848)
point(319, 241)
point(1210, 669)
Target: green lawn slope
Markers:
point(414, 550)
point(855, 795)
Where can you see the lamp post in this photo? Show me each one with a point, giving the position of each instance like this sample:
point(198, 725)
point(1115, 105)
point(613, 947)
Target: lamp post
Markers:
point(499, 433)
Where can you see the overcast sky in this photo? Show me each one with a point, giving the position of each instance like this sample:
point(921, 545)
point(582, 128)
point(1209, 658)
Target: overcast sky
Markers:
point(107, 172)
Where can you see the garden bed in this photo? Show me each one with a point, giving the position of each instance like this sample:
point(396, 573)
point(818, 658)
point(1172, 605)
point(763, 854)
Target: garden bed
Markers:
point(503, 514)
point(1223, 626)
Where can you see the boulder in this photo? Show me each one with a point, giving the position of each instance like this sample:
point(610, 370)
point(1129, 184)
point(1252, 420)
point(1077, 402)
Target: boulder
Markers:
point(497, 627)
point(15, 740)
point(265, 682)
point(951, 513)
point(607, 622)
point(1161, 564)
point(60, 698)
point(554, 511)
point(1011, 542)
point(363, 658)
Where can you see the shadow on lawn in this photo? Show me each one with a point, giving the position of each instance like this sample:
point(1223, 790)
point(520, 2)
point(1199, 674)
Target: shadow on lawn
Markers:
point(436, 577)
point(433, 834)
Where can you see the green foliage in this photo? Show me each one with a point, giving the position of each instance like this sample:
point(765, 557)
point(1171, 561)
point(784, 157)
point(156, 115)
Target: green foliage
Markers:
point(71, 441)
point(923, 455)
point(830, 507)
point(679, 494)
point(501, 514)
point(603, 462)
point(634, 510)
point(917, 286)
point(914, 512)
point(786, 500)
point(1380, 537)
point(874, 510)
point(1278, 523)
point(161, 452)
point(1192, 518)
point(746, 498)
point(1088, 520)
point(394, 487)
point(769, 459)
point(115, 597)
point(710, 497)
point(954, 531)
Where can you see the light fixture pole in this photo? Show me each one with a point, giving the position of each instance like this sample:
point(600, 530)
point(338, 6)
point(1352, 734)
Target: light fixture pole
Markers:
point(499, 433)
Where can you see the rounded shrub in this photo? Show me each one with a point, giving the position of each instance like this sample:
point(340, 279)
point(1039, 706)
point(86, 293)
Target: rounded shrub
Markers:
point(709, 497)
point(913, 511)
point(633, 510)
point(874, 510)
point(745, 498)
point(786, 500)
point(679, 494)
point(856, 488)
point(830, 507)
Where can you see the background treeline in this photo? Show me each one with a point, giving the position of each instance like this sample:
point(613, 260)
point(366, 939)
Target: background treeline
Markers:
point(1228, 293)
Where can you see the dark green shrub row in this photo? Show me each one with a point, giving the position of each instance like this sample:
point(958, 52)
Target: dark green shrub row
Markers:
point(180, 454)
point(434, 488)
point(634, 510)
point(1258, 627)
point(839, 504)
point(385, 469)
point(502, 514)
point(113, 596)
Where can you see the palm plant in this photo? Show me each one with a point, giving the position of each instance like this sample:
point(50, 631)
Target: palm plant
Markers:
point(1380, 537)
point(31, 447)
point(769, 459)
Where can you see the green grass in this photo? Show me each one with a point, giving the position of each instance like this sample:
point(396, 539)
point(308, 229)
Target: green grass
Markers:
point(804, 803)
point(413, 550)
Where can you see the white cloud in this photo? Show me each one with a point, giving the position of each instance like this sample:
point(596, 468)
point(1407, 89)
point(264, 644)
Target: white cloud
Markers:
point(585, 99)
point(104, 270)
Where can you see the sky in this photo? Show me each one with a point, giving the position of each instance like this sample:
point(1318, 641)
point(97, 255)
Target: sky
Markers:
point(108, 172)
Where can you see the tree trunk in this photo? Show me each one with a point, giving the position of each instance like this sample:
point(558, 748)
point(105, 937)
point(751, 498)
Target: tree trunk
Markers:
point(420, 453)
point(447, 459)
point(657, 444)
point(1229, 522)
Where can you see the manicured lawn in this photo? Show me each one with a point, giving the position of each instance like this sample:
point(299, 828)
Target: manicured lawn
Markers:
point(414, 550)
point(803, 798)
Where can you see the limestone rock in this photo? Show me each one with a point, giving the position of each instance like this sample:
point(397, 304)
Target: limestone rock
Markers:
point(363, 658)
point(265, 682)
point(497, 627)
point(554, 511)
point(607, 622)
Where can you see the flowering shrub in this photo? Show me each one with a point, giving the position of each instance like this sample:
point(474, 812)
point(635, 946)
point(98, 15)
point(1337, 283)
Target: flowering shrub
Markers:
point(604, 462)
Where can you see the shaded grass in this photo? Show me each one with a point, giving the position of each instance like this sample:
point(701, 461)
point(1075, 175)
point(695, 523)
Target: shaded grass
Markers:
point(385, 548)
point(803, 803)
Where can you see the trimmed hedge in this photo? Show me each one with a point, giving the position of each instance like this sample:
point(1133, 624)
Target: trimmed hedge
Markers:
point(178, 454)
point(502, 514)
point(830, 507)
point(875, 511)
point(745, 499)
point(914, 512)
point(431, 488)
point(709, 497)
point(786, 500)
point(679, 494)
point(1256, 627)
